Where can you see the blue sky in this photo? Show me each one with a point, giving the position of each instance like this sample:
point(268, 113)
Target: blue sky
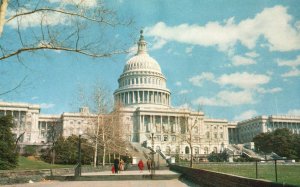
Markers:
point(233, 59)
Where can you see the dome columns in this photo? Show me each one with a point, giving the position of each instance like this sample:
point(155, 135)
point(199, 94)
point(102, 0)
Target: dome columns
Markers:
point(143, 96)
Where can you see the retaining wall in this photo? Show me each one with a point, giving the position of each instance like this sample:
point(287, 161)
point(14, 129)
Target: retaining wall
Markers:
point(215, 179)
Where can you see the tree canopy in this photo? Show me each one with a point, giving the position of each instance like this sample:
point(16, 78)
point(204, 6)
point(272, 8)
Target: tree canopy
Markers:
point(8, 155)
point(281, 141)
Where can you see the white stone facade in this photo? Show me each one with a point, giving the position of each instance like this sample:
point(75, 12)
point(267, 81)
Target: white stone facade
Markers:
point(246, 130)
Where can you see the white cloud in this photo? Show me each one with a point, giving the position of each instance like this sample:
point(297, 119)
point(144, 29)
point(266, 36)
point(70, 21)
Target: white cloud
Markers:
point(185, 106)
point(241, 60)
point(34, 98)
point(290, 63)
point(199, 79)
point(86, 3)
point(189, 50)
point(158, 43)
point(182, 92)
point(252, 54)
point(274, 24)
point(294, 112)
point(227, 98)
point(243, 80)
point(292, 73)
point(178, 83)
point(47, 105)
point(35, 19)
point(246, 115)
point(132, 51)
point(272, 90)
point(293, 64)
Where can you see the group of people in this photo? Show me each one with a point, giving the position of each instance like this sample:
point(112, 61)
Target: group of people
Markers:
point(150, 165)
point(118, 166)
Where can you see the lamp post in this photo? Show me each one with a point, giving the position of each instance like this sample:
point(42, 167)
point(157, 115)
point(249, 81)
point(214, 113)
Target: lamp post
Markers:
point(78, 168)
point(152, 155)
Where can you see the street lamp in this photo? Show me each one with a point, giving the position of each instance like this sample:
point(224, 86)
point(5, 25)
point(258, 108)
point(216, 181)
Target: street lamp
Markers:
point(78, 168)
point(152, 155)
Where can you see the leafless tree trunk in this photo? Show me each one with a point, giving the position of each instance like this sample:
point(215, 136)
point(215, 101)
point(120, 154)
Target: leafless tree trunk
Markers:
point(3, 8)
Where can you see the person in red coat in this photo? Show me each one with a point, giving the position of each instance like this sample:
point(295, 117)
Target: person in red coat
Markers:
point(141, 165)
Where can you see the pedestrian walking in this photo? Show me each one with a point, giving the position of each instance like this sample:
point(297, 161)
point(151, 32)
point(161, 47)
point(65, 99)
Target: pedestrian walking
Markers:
point(141, 165)
point(149, 164)
point(116, 165)
point(121, 165)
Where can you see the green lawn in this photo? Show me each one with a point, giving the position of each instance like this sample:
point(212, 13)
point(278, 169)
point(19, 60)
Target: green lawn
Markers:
point(25, 163)
point(289, 174)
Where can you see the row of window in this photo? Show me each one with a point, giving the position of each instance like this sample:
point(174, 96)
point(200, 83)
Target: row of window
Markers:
point(215, 135)
point(142, 80)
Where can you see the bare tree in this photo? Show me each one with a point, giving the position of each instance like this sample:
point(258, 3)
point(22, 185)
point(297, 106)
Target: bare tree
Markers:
point(54, 132)
point(105, 129)
point(77, 26)
point(188, 132)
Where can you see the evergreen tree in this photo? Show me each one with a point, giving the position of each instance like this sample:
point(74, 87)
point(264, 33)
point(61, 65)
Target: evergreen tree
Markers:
point(281, 141)
point(8, 155)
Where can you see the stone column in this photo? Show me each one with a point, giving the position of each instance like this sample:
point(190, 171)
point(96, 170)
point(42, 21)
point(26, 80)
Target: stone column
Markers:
point(133, 97)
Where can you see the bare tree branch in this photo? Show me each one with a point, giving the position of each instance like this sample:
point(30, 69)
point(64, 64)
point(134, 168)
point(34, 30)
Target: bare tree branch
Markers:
point(101, 20)
point(16, 87)
point(95, 55)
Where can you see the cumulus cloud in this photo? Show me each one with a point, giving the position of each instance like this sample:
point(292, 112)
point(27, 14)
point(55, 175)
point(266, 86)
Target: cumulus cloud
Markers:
point(241, 60)
point(294, 112)
point(35, 19)
point(47, 105)
point(243, 80)
point(272, 90)
point(252, 54)
point(227, 98)
point(293, 64)
point(86, 3)
point(178, 83)
point(199, 79)
point(246, 115)
point(274, 24)
point(189, 50)
point(158, 43)
point(182, 92)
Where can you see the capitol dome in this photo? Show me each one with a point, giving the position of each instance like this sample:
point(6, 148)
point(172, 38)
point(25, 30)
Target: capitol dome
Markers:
point(142, 81)
point(142, 62)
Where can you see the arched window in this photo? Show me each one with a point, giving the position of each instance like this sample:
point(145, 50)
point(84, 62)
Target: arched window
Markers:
point(187, 150)
point(215, 149)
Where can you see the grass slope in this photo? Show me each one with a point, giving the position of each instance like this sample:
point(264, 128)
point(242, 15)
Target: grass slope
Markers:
point(288, 174)
point(26, 163)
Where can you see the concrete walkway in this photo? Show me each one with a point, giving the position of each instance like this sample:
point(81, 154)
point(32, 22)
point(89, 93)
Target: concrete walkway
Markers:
point(115, 183)
point(144, 183)
point(130, 172)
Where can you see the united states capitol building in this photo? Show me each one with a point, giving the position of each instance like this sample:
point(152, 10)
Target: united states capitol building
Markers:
point(146, 113)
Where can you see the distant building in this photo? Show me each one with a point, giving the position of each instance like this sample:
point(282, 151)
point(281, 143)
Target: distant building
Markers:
point(245, 131)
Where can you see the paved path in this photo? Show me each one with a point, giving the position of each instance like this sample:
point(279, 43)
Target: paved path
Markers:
point(129, 183)
point(131, 172)
point(140, 183)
